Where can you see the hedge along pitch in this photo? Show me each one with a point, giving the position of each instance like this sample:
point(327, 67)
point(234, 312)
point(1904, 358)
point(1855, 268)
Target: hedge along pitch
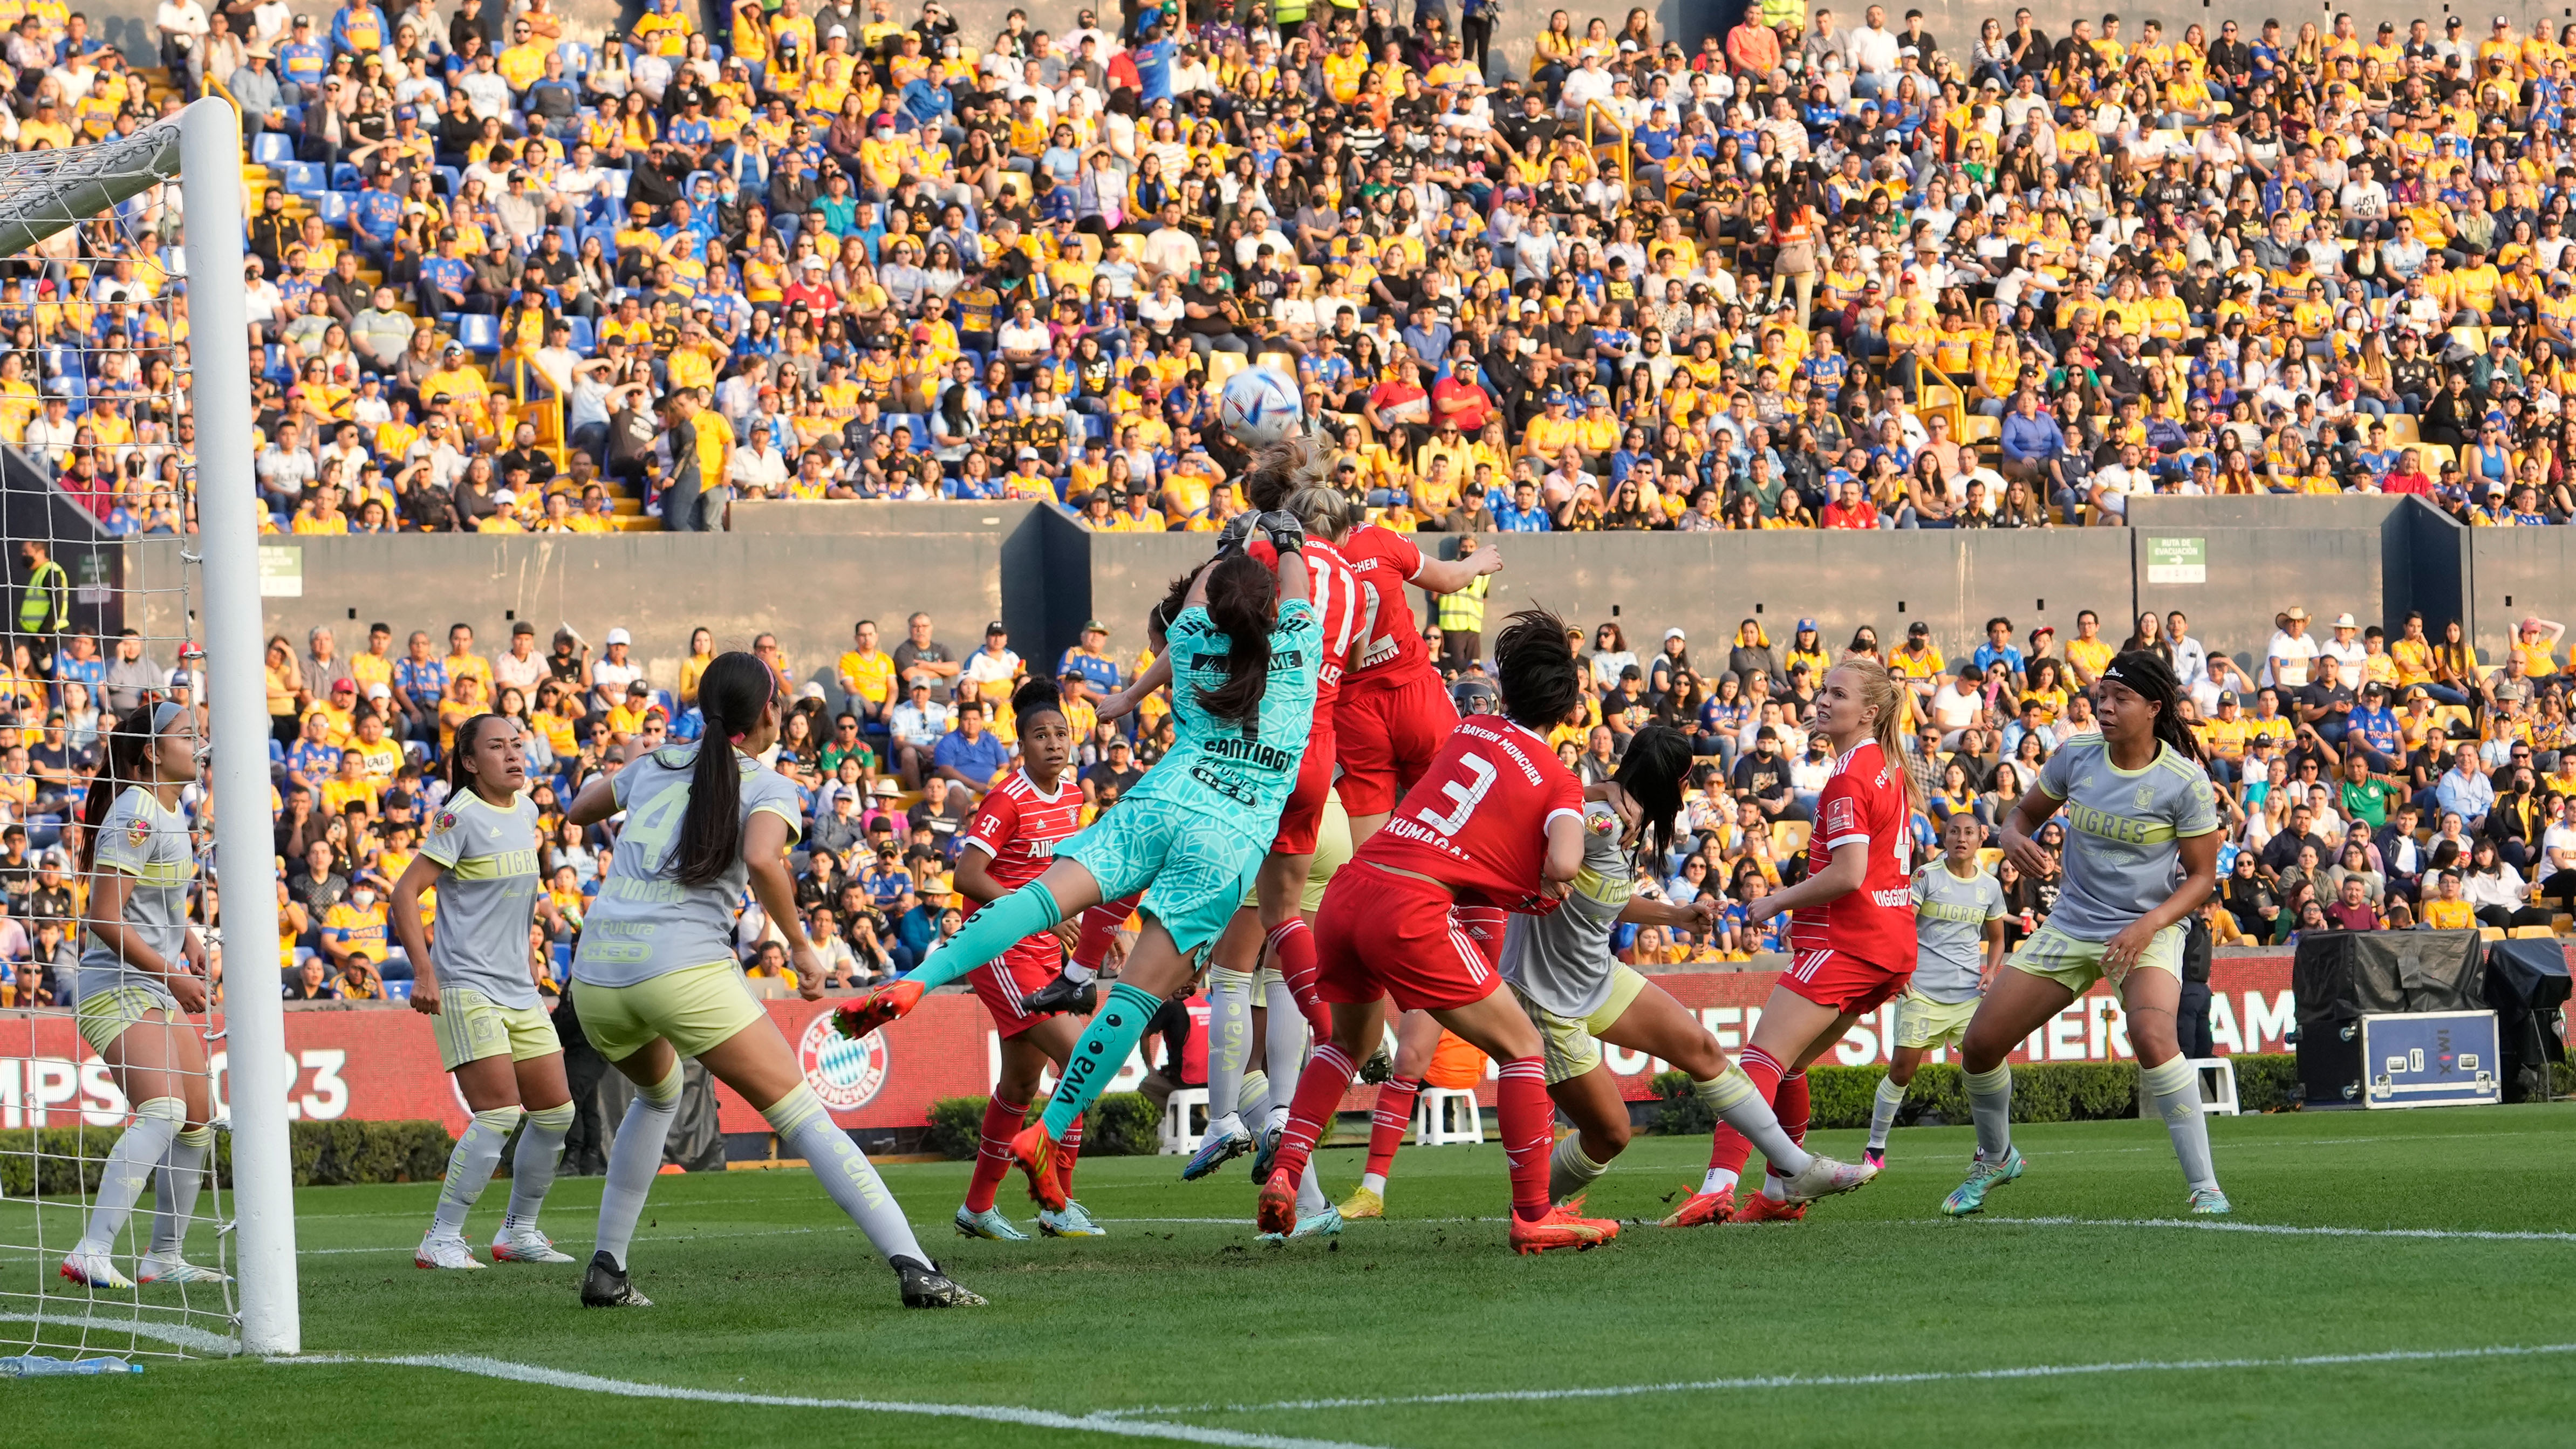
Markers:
point(46, 1161)
point(1119, 1124)
point(2042, 1092)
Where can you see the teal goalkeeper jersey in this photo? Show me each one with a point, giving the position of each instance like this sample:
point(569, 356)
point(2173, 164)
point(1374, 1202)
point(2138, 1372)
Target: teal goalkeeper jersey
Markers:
point(1219, 769)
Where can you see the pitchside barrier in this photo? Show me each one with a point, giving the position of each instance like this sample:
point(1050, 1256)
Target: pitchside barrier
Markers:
point(379, 1062)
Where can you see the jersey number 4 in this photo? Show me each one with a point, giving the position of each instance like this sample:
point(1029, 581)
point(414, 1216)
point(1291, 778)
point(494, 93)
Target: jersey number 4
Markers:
point(652, 828)
point(1463, 793)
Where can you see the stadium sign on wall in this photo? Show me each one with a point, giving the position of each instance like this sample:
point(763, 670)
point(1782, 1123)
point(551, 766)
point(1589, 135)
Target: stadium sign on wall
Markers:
point(2177, 560)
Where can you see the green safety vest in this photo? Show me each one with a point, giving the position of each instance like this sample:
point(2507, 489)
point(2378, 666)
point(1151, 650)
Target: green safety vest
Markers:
point(41, 610)
point(1464, 611)
point(1288, 13)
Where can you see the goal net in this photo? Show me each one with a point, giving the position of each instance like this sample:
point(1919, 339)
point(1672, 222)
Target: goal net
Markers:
point(125, 1121)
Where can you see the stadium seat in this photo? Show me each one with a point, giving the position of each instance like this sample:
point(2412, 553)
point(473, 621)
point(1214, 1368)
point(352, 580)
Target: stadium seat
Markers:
point(450, 180)
point(607, 235)
point(617, 184)
point(1184, 1121)
point(1788, 837)
point(584, 335)
point(268, 148)
point(480, 332)
point(1224, 365)
point(345, 177)
point(1445, 1117)
point(1980, 429)
point(2403, 429)
point(2532, 933)
point(304, 178)
point(332, 207)
point(577, 57)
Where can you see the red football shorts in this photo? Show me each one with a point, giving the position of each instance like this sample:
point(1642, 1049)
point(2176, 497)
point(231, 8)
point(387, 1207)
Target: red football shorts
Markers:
point(1386, 735)
point(1483, 926)
point(1845, 983)
point(1002, 985)
point(1384, 934)
point(1303, 815)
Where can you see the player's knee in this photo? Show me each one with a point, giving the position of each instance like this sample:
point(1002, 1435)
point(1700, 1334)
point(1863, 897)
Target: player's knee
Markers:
point(1978, 1055)
point(1900, 1071)
point(1611, 1136)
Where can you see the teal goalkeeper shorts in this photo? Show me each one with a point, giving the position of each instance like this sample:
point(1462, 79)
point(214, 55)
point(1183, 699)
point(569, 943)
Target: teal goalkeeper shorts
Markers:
point(1193, 868)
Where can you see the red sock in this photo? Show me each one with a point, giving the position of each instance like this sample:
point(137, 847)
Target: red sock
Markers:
point(1100, 926)
point(1728, 1148)
point(1792, 1105)
point(1527, 1117)
point(1319, 1091)
point(1293, 947)
point(1067, 1150)
point(993, 1151)
point(1394, 1115)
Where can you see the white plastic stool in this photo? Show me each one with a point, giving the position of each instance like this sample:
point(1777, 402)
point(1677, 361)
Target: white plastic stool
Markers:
point(1445, 1117)
point(1184, 1121)
point(2217, 1086)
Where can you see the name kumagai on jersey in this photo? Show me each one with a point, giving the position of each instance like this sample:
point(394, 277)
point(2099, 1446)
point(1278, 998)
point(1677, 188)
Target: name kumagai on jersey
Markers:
point(1950, 917)
point(1562, 959)
point(488, 897)
point(645, 923)
point(1220, 769)
point(2125, 832)
point(142, 840)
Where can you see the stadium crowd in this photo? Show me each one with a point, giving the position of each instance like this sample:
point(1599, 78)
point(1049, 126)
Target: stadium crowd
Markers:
point(2367, 783)
point(1826, 270)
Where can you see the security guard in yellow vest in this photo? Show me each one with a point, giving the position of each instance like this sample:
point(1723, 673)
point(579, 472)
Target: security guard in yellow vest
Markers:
point(44, 608)
point(1461, 617)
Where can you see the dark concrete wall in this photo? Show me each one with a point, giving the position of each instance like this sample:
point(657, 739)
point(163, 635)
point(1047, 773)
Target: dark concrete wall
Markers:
point(2514, 572)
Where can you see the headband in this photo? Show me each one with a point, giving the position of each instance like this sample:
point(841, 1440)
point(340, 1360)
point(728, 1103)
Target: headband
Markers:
point(163, 713)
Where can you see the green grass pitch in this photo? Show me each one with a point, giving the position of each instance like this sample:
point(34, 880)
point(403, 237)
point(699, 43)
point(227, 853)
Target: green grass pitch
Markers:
point(1181, 1327)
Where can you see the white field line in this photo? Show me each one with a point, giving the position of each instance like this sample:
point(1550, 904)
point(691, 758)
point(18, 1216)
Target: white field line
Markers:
point(990, 1413)
point(1809, 1381)
point(179, 1334)
point(2289, 1230)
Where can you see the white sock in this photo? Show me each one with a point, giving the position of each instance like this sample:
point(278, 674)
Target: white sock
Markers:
point(469, 1167)
point(1990, 1106)
point(1310, 1193)
point(1374, 1182)
point(1253, 1103)
point(174, 1190)
point(1731, 1098)
point(1283, 1047)
point(1077, 973)
point(1882, 1110)
point(804, 1128)
point(532, 1167)
point(130, 1164)
point(1570, 1169)
point(634, 1159)
point(1229, 1036)
point(2174, 1090)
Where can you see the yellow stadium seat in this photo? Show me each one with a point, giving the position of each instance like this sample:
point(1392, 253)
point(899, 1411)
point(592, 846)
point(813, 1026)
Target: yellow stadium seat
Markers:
point(1989, 857)
point(2532, 933)
point(2491, 933)
point(1790, 836)
point(1223, 365)
point(2402, 428)
point(1981, 429)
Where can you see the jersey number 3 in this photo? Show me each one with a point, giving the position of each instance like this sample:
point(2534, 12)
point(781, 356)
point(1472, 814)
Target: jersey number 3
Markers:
point(1464, 793)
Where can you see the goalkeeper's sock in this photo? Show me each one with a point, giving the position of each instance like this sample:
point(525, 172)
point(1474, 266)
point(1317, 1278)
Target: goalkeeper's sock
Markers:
point(1732, 1098)
point(1103, 1050)
point(993, 1151)
point(1882, 1111)
point(174, 1189)
point(532, 1167)
point(804, 1128)
point(988, 933)
point(130, 1164)
point(1570, 1169)
point(1229, 1038)
point(634, 1160)
point(469, 1167)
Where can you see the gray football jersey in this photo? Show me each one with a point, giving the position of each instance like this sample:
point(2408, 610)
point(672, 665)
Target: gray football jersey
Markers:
point(488, 896)
point(141, 839)
point(2124, 832)
point(1950, 917)
point(645, 923)
point(1562, 959)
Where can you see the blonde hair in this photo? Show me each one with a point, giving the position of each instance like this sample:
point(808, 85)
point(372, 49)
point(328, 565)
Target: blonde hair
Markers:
point(1879, 691)
point(1328, 512)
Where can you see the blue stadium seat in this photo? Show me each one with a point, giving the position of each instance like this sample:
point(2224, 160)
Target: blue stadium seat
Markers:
point(345, 177)
point(577, 57)
point(305, 178)
point(607, 235)
point(617, 184)
point(449, 180)
point(332, 207)
point(480, 332)
point(585, 337)
point(268, 148)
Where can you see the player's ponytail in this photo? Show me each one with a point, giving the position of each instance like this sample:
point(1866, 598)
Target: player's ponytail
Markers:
point(1328, 513)
point(128, 762)
point(2146, 674)
point(1657, 761)
point(1535, 669)
point(1240, 592)
point(1036, 696)
point(731, 695)
point(1878, 690)
point(453, 768)
point(1280, 470)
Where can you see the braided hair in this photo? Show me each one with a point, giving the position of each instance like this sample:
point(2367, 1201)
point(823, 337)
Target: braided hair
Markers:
point(2146, 674)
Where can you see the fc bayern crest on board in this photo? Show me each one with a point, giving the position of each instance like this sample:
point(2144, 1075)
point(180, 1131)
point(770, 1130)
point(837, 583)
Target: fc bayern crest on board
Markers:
point(846, 1074)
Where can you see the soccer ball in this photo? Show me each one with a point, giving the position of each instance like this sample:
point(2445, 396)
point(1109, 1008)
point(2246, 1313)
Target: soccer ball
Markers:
point(1259, 406)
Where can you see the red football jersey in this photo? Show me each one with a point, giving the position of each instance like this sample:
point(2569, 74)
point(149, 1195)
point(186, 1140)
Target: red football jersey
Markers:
point(1019, 826)
point(1477, 820)
point(1335, 593)
point(1384, 561)
point(1863, 800)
